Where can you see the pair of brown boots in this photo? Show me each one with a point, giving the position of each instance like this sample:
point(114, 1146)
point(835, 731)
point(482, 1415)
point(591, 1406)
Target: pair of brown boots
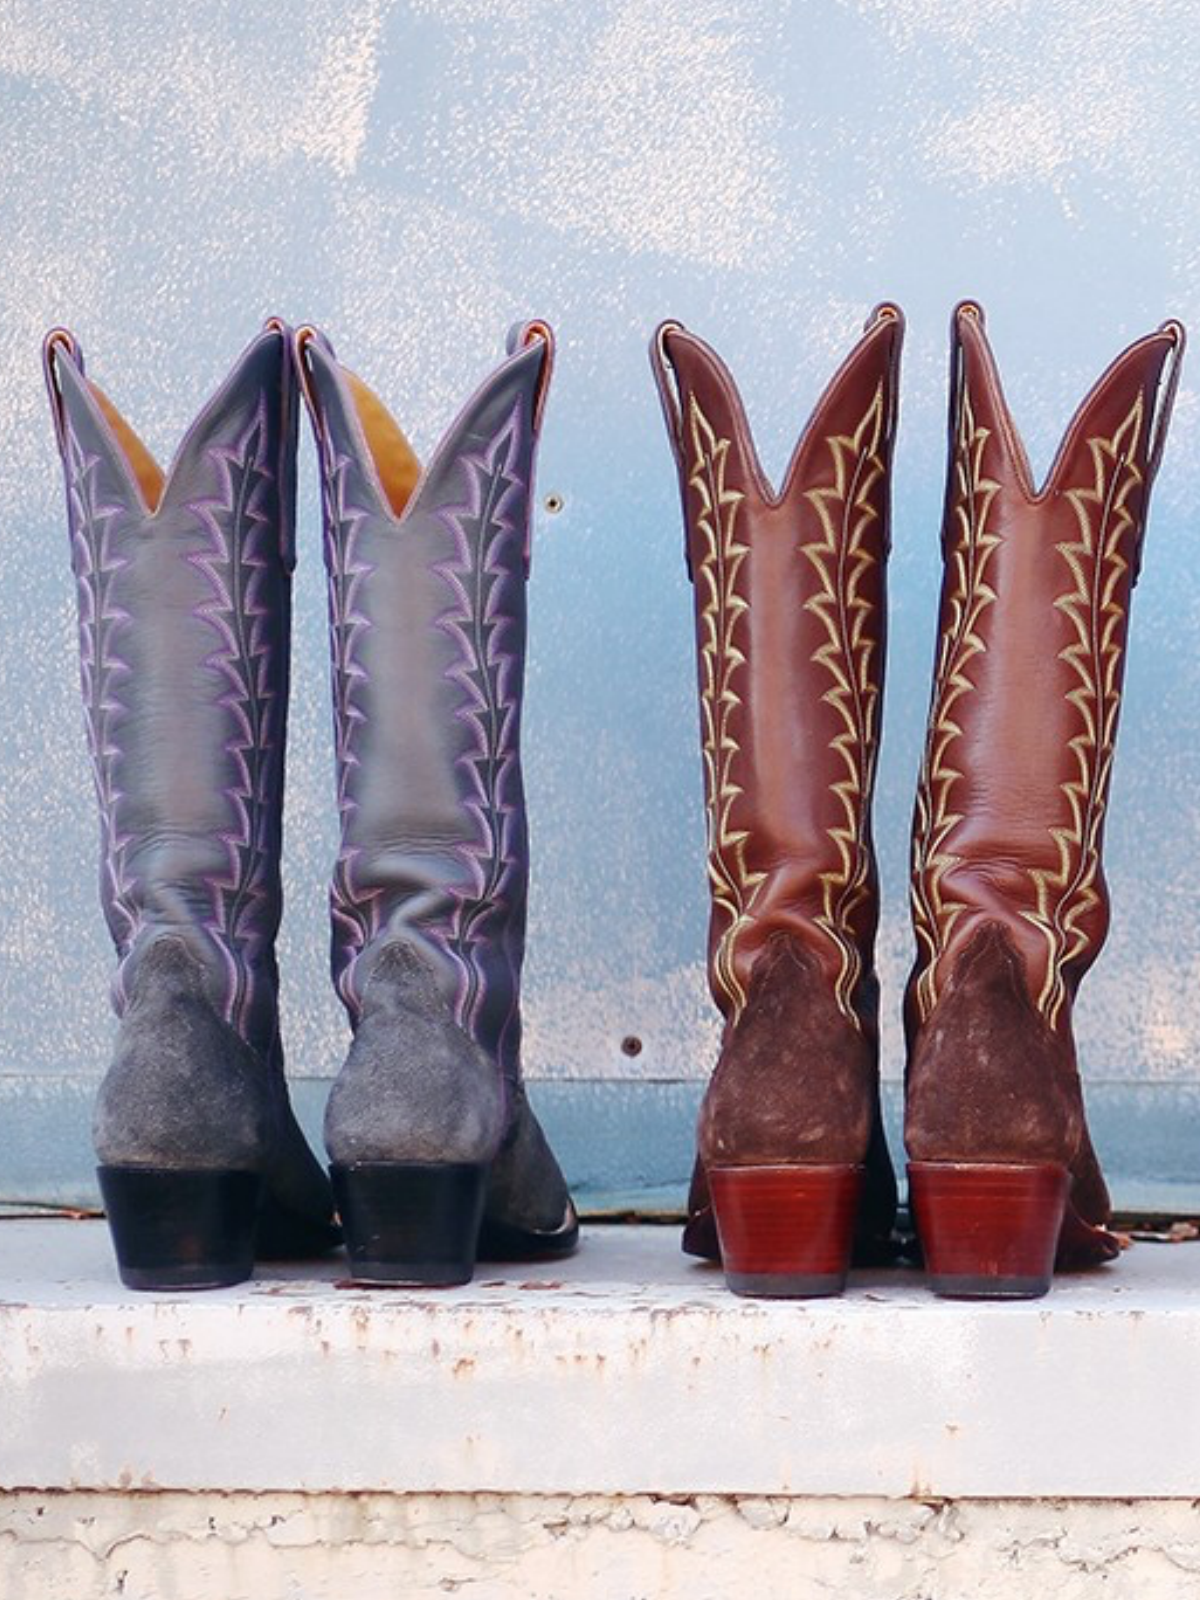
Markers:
point(1009, 901)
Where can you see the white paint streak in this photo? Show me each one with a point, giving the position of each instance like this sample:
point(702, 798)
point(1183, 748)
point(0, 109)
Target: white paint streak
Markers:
point(331, 119)
point(650, 135)
point(229, 95)
point(1035, 139)
point(1090, 91)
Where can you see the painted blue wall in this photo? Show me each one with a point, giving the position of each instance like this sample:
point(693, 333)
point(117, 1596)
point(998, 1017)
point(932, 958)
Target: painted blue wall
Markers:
point(416, 177)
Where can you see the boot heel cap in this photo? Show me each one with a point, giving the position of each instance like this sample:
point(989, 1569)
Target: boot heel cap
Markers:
point(411, 1224)
point(181, 1230)
point(965, 1286)
point(785, 1285)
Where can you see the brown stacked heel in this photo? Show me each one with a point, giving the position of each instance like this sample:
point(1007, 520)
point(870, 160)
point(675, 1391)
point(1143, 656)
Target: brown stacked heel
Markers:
point(786, 1232)
point(990, 1231)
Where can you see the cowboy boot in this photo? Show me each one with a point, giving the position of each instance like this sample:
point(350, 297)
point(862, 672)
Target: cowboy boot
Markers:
point(436, 1155)
point(1010, 905)
point(184, 584)
point(790, 616)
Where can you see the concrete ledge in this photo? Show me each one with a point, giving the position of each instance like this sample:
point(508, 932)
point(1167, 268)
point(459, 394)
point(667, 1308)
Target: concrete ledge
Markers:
point(626, 1371)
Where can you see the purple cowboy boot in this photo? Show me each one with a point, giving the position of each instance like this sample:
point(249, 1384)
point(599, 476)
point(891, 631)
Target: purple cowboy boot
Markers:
point(184, 586)
point(436, 1155)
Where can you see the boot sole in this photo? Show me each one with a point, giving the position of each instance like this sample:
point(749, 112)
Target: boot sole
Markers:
point(506, 1241)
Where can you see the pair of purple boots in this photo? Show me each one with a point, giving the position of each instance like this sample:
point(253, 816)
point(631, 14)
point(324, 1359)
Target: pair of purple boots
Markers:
point(184, 585)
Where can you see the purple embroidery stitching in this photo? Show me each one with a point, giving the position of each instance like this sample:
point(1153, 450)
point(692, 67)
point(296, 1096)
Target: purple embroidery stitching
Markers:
point(488, 556)
point(238, 565)
point(355, 913)
point(93, 524)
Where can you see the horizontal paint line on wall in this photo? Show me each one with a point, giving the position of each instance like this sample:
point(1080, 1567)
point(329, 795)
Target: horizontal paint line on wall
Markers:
point(626, 1146)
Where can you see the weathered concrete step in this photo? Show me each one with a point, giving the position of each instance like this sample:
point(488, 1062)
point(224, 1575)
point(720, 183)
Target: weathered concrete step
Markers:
point(628, 1370)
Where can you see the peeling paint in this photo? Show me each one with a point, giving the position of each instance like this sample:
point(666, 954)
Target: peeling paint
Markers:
point(509, 1547)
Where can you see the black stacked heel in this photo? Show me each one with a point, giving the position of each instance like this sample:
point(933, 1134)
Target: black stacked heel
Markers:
point(411, 1223)
point(181, 1230)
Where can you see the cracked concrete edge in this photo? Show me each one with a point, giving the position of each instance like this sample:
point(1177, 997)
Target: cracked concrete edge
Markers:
point(176, 1546)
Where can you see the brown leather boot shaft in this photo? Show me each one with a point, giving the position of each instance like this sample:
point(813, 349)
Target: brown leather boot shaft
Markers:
point(790, 609)
point(1010, 905)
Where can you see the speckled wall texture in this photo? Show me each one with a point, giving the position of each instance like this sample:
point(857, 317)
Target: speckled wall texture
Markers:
point(417, 176)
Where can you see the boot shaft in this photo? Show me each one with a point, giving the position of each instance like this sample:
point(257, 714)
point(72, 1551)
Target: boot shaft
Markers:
point(183, 585)
point(1030, 663)
point(427, 602)
point(790, 632)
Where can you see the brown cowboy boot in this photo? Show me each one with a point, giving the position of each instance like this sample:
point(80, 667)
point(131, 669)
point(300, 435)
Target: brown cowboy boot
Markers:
point(789, 593)
point(1009, 900)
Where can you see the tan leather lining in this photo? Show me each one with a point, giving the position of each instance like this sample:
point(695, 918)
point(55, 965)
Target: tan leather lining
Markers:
point(145, 469)
point(395, 460)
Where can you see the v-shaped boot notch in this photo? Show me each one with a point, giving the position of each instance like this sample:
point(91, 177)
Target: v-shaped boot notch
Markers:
point(144, 467)
point(135, 469)
point(394, 461)
point(696, 387)
point(363, 420)
point(1149, 367)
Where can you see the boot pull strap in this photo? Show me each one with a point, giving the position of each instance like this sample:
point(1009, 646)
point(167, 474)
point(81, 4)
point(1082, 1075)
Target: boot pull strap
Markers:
point(536, 332)
point(287, 444)
point(667, 381)
point(520, 337)
point(1165, 404)
point(1160, 422)
point(304, 336)
point(887, 312)
point(965, 308)
point(58, 342)
point(668, 386)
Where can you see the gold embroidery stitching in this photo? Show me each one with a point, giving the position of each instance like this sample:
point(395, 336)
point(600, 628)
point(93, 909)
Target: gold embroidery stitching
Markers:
point(841, 559)
point(934, 914)
point(734, 885)
point(1095, 562)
